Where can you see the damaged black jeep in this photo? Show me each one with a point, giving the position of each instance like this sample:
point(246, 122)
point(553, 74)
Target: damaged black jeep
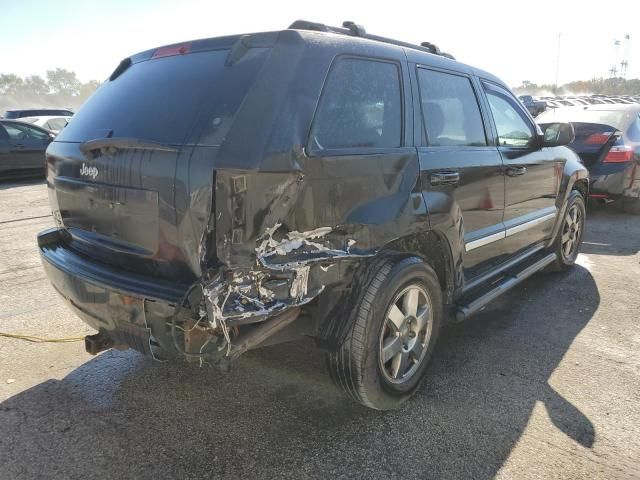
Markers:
point(229, 193)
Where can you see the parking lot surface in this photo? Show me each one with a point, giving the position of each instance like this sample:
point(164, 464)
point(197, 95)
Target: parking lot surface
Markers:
point(545, 383)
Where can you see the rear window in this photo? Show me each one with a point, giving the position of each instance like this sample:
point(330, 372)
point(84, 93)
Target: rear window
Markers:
point(173, 100)
point(615, 118)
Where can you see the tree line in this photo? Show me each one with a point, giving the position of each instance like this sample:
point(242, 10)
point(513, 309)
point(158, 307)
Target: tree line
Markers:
point(603, 86)
point(59, 88)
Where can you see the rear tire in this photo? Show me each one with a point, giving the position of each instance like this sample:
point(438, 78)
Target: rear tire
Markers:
point(569, 237)
point(393, 331)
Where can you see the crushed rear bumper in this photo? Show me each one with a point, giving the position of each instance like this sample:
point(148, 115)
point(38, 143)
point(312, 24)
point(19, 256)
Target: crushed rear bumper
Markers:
point(133, 311)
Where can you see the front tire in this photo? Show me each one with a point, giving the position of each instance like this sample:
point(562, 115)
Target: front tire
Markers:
point(393, 331)
point(569, 237)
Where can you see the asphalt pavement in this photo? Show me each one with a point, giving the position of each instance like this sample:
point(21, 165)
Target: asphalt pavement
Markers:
point(545, 383)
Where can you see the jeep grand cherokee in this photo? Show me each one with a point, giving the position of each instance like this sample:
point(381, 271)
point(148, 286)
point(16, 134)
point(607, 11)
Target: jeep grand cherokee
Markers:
point(223, 194)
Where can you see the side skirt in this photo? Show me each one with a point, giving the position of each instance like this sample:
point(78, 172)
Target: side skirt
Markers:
point(469, 306)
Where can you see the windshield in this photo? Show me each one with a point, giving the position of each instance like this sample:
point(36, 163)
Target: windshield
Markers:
point(172, 100)
point(615, 118)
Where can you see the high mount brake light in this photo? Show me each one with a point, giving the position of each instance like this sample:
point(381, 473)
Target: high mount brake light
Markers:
point(172, 50)
point(619, 154)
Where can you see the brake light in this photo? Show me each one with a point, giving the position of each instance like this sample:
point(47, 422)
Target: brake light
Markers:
point(172, 50)
point(619, 154)
point(598, 138)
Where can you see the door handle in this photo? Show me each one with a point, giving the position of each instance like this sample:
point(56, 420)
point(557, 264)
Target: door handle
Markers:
point(516, 171)
point(444, 178)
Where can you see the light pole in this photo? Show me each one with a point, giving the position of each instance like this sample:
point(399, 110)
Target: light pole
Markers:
point(555, 89)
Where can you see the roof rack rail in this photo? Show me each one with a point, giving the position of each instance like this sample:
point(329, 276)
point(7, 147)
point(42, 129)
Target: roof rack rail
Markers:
point(355, 30)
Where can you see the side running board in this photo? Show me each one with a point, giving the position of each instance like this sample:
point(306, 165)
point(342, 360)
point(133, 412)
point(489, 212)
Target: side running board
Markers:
point(507, 283)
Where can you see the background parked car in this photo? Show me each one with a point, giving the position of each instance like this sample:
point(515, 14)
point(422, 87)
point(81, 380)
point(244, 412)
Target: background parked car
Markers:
point(52, 123)
point(608, 143)
point(22, 148)
point(535, 107)
point(37, 112)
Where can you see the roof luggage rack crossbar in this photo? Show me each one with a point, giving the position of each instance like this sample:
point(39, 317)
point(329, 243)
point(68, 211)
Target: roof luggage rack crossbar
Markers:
point(355, 30)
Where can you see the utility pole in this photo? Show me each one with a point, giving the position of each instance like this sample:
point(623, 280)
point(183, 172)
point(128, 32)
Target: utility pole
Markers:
point(555, 88)
point(624, 64)
point(614, 70)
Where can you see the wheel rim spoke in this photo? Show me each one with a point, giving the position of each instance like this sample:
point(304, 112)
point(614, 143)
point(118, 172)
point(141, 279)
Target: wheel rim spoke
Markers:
point(396, 317)
point(392, 346)
point(410, 302)
point(416, 350)
point(422, 317)
point(568, 247)
point(399, 365)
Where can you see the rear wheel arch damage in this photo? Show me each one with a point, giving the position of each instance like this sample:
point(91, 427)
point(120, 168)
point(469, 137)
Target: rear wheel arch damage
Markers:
point(435, 251)
point(275, 270)
point(294, 236)
point(335, 307)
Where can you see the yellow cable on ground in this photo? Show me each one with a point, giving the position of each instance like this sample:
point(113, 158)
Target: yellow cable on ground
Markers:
point(31, 338)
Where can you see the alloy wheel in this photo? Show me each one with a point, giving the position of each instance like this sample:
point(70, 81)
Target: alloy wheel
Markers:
point(571, 231)
point(405, 335)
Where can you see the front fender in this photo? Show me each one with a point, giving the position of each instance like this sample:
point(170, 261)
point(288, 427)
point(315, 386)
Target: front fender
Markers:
point(575, 175)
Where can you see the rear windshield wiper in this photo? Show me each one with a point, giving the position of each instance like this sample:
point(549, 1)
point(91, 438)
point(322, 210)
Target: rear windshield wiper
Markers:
point(124, 144)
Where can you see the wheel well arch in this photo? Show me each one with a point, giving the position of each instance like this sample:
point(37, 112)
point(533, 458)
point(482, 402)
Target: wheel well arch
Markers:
point(334, 311)
point(582, 186)
point(434, 250)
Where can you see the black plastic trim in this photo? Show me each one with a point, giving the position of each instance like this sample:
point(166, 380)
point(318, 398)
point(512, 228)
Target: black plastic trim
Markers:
point(58, 255)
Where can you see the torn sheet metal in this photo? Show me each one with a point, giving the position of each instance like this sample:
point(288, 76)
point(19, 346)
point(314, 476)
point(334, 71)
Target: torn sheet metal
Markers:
point(300, 248)
point(248, 296)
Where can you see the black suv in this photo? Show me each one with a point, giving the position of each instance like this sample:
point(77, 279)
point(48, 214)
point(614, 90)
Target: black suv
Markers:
point(224, 194)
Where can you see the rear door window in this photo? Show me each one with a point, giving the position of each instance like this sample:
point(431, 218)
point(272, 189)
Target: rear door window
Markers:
point(361, 106)
point(172, 100)
point(450, 110)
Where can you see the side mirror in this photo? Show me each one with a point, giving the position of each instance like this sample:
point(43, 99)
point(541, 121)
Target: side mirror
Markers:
point(557, 134)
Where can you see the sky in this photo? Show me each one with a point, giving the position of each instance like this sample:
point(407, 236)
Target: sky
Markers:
point(516, 40)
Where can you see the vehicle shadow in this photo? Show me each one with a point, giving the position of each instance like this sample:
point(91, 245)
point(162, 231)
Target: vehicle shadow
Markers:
point(277, 415)
point(611, 232)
